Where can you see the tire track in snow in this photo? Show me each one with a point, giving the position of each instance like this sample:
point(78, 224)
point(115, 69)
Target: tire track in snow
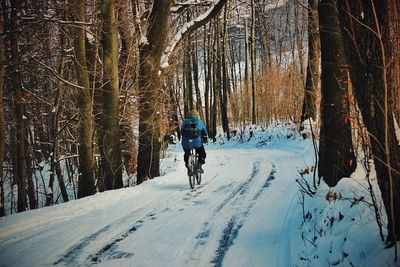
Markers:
point(241, 189)
point(236, 222)
point(109, 250)
point(236, 192)
point(73, 253)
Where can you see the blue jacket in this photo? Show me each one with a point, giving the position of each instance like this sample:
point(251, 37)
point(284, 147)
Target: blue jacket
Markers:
point(188, 144)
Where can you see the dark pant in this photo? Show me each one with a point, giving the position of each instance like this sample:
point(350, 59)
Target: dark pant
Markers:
point(201, 152)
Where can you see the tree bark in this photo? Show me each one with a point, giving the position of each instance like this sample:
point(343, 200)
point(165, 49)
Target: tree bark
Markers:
point(394, 35)
point(111, 145)
point(225, 79)
point(253, 64)
point(369, 52)
point(207, 74)
point(312, 78)
point(2, 122)
point(247, 73)
point(336, 155)
point(55, 169)
point(149, 83)
point(195, 63)
point(21, 132)
point(86, 161)
point(189, 79)
point(214, 84)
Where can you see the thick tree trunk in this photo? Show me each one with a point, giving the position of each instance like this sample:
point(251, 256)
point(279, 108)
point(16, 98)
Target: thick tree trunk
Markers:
point(86, 161)
point(336, 155)
point(21, 132)
point(149, 83)
point(128, 68)
point(111, 145)
point(369, 51)
point(312, 78)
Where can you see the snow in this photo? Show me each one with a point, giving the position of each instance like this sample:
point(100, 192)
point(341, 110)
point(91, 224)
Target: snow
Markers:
point(246, 212)
point(178, 36)
point(275, 4)
point(143, 40)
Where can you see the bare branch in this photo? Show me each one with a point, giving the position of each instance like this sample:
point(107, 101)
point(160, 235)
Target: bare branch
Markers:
point(59, 77)
point(190, 27)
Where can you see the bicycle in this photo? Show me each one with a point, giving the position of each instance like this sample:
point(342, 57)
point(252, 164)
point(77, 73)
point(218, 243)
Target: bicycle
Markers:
point(194, 169)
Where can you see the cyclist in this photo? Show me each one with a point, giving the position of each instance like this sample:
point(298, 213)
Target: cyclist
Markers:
point(194, 134)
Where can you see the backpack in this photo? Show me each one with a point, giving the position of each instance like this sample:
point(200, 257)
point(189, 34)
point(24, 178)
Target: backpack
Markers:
point(191, 129)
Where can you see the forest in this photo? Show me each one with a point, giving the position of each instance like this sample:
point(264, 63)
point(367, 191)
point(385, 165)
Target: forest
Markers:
point(92, 92)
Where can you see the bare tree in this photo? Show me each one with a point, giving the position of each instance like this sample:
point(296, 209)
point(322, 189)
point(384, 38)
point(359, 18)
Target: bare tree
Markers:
point(111, 146)
point(19, 103)
point(86, 180)
point(369, 50)
point(312, 79)
point(225, 77)
point(336, 155)
point(2, 122)
point(149, 81)
point(253, 64)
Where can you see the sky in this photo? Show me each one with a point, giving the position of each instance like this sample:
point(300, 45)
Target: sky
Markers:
point(247, 211)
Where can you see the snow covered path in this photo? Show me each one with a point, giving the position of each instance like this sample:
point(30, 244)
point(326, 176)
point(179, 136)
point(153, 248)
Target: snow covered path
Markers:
point(239, 216)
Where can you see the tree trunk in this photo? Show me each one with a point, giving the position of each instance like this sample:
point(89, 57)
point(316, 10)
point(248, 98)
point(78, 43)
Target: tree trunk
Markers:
point(253, 65)
point(246, 73)
point(86, 161)
point(195, 62)
point(336, 156)
point(189, 79)
point(394, 24)
point(225, 79)
point(128, 66)
point(111, 145)
point(312, 78)
point(214, 85)
point(207, 74)
point(2, 122)
point(55, 169)
point(149, 83)
point(21, 132)
point(369, 51)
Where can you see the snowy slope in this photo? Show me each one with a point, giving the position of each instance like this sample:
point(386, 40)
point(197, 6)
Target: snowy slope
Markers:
point(246, 212)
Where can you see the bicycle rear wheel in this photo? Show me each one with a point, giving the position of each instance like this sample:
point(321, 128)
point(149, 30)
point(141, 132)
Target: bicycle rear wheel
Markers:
point(198, 177)
point(192, 171)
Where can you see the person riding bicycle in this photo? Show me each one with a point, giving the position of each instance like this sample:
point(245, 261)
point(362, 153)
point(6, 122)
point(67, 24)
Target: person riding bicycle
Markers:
point(194, 134)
